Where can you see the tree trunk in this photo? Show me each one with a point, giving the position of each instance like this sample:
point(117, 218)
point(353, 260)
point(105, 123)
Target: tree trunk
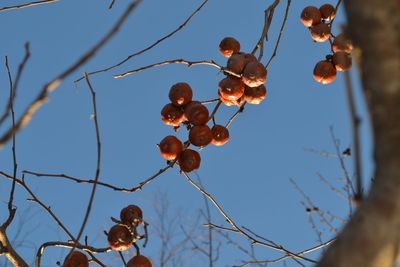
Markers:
point(371, 238)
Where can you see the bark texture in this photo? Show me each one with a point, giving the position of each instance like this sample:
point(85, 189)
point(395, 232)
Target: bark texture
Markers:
point(371, 238)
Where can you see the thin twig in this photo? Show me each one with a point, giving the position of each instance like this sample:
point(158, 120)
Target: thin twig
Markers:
point(268, 15)
point(60, 244)
point(236, 228)
point(98, 163)
point(16, 82)
point(208, 217)
point(122, 189)
point(349, 185)
point(212, 115)
point(240, 110)
point(311, 204)
point(355, 126)
point(179, 61)
point(150, 46)
point(304, 252)
point(27, 5)
point(280, 33)
point(52, 85)
point(111, 4)
point(11, 210)
point(36, 199)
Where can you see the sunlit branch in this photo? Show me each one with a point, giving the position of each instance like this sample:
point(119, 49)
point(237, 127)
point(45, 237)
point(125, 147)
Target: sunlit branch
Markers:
point(150, 46)
point(236, 228)
point(179, 61)
point(28, 5)
point(90, 249)
point(42, 98)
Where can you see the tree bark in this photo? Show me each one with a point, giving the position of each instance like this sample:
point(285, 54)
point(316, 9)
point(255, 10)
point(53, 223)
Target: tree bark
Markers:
point(371, 237)
point(9, 252)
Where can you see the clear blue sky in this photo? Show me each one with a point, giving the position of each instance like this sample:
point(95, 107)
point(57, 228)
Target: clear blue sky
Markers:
point(249, 176)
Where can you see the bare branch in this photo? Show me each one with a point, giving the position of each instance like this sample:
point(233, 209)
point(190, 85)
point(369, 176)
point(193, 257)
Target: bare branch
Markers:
point(98, 164)
point(179, 61)
point(150, 46)
point(236, 228)
point(125, 190)
point(355, 127)
point(52, 85)
point(280, 33)
point(28, 5)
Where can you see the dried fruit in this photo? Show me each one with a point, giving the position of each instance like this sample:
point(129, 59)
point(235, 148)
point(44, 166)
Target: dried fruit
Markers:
point(200, 135)
point(324, 72)
point(220, 135)
point(341, 43)
point(327, 12)
point(171, 115)
point(229, 46)
point(120, 237)
point(320, 32)
point(342, 61)
point(310, 16)
point(180, 94)
point(255, 95)
point(228, 102)
point(170, 147)
point(189, 160)
point(254, 74)
point(76, 259)
point(231, 88)
point(196, 113)
point(139, 261)
point(132, 214)
point(237, 62)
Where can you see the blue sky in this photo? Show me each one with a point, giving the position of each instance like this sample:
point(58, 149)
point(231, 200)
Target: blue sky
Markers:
point(249, 176)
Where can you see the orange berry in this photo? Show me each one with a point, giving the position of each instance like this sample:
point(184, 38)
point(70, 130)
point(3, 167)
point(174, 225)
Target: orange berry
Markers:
point(255, 95)
point(327, 12)
point(131, 214)
point(139, 261)
point(170, 147)
point(171, 115)
point(237, 62)
point(120, 237)
point(196, 113)
point(229, 46)
point(76, 259)
point(220, 135)
point(189, 160)
point(254, 74)
point(228, 102)
point(341, 43)
point(180, 94)
point(320, 32)
point(342, 61)
point(324, 72)
point(200, 135)
point(310, 16)
point(231, 88)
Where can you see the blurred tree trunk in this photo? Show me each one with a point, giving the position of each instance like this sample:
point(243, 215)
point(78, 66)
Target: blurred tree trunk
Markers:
point(371, 238)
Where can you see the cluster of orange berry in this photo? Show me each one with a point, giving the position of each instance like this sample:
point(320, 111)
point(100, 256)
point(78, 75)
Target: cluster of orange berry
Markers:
point(120, 237)
point(248, 83)
point(319, 22)
point(245, 83)
point(195, 116)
